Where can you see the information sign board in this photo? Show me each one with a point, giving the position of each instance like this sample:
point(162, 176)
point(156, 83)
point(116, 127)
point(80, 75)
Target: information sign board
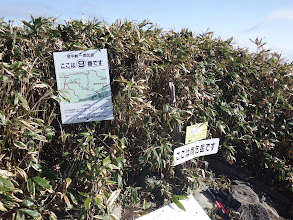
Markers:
point(196, 132)
point(195, 149)
point(83, 77)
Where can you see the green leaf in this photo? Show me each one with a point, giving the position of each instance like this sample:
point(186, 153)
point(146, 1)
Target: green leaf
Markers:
point(68, 182)
point(37, 167)
point(89, 166)
point(221, 127)
point(257, 143)
point(65, 154)
point(88, 139)
point(113, 197)
point(6, 183)
point(101, 217)
point(180, 197)
point(106, 161)
point(20, 145)
point(21, 98)
point(110, 182)
point(41, 85)
point(83, 194)
point(64, 137)
point(65, 95)
point(3, 78)
point(211, 82)
point(3, 119)
point(113, 167)
point(9, 203)
point(73, 199)
point(31, 213)
point(98, 201)
point(22, 173)
point(42, 182)
point(246, 137)
point(87, 203)
point(86, 134)
point(20, 215)
point(178, 203)
point(31, 187)
point(52, 216)
point(28, 202)
point(169, 125)
point(157, 156)
point(114, 217)
point(49, 133)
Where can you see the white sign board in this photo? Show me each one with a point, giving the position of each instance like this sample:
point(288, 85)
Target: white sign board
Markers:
point(195, 149)
point(83, 77)
point(172, 212)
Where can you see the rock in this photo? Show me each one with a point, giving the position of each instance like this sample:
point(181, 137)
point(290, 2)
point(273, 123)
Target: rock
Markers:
point(253, 211)
point(251, 206)
point(244, 194)
point(204, 201)
point(271, 209)
point(203, 198)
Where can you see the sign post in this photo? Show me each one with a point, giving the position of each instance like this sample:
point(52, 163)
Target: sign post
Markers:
point(83, 79)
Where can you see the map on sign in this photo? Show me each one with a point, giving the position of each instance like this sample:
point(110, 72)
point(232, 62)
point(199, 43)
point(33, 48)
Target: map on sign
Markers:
point(83, 86)
point(83, 83)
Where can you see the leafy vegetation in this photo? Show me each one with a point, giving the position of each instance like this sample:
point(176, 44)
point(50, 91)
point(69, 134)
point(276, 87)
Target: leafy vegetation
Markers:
point(50, 170)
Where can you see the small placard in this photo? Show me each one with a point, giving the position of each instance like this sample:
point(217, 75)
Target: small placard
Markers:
point(196, 132)
point(195, 149)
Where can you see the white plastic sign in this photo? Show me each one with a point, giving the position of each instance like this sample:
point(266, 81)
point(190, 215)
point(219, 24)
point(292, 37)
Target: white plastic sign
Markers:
point(196, 149)
point(172, 212)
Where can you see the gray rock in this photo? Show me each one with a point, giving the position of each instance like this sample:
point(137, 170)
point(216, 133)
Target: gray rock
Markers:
point(251, 206)
point(273, 212)
point(244, 194)
point(253, 211)
point(204, 201)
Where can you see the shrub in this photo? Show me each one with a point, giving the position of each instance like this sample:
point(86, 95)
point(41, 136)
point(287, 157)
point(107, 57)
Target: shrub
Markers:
point(79, 170)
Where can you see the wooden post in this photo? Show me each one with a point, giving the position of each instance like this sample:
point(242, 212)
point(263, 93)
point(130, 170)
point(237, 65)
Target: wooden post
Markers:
point(176, 132)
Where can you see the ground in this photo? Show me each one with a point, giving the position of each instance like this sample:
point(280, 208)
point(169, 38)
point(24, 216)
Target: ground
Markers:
point(280, 201)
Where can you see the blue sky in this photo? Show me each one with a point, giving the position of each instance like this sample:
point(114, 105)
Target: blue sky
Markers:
point(271, 20)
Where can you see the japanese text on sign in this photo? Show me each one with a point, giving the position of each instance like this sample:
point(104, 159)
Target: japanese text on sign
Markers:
point(195, 149)
point(81, 61)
